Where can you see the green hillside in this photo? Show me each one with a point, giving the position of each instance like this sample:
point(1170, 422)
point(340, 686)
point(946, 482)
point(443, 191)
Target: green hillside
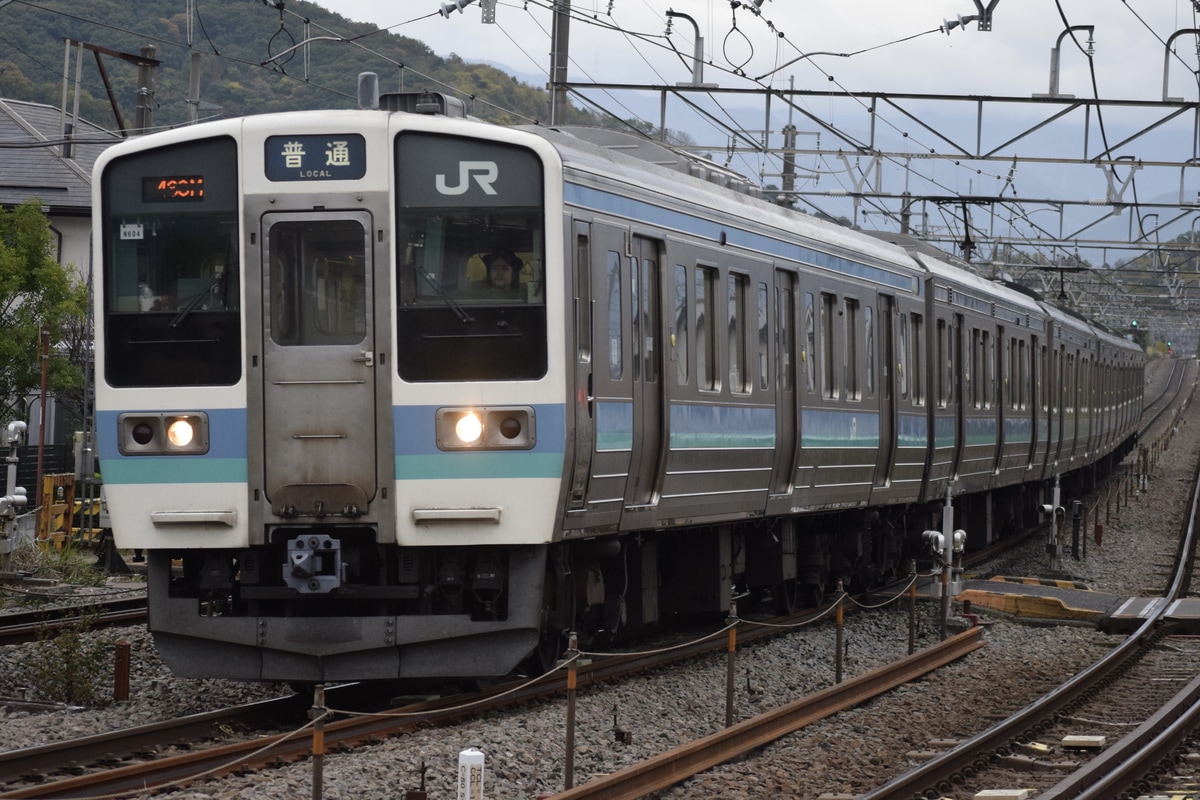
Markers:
point(242, 69)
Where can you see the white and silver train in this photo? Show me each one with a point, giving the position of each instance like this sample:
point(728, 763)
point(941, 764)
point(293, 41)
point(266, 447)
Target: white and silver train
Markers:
point(348, 455)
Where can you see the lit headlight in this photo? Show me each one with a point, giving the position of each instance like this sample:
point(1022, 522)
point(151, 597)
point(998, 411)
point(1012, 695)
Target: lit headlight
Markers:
point(493, 428)
point(162, 434)
point(468, 428)
point(180, 433)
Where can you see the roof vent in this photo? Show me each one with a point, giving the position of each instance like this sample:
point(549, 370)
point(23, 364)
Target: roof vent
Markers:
point(424, 103)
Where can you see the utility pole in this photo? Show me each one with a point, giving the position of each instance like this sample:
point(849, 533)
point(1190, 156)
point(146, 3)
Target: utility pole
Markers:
point(44, 355)
point(560, 33)
point(193, 99)
point(144, 119)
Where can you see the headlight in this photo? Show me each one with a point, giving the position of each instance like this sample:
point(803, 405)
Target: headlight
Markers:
point(180, 433)
point(158, 434)
point(468, 428)
point(493, 428)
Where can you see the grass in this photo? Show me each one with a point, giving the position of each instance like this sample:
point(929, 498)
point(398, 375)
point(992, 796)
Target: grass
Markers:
point(72, 564)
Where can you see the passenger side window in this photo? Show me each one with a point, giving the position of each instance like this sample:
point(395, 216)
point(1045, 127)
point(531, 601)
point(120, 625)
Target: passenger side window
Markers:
point(989, 353)
point(917, 360)
point(739, 362)
point(809, 354)
point(787, 341)
point(706, 338)
point(1022, 376)
point(764, 373)
point(974, 376)
point(850, 355)
point(943, 347)
point(869, 349)
point(829, 387)
point(681, 325)
point(616, 345)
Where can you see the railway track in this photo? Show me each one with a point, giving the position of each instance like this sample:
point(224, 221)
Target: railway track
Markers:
point(1168, 398)
point(668, 768)
point(1140, 673)
point(38, 772)
point(1116, 685)
point(233, 757)
point(28, 626)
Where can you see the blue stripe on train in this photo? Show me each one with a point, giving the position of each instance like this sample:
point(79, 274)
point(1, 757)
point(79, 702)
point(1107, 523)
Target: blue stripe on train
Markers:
point(225, 461)
point(418, 456)
point(715, 426)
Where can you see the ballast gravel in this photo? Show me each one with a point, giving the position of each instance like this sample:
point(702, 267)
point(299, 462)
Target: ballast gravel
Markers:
point(847, 754)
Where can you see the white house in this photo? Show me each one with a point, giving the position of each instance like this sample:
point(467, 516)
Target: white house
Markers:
point(39, 163)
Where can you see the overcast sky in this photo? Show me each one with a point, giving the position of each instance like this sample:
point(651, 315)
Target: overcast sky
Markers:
point(890, 42)
point(895, 46)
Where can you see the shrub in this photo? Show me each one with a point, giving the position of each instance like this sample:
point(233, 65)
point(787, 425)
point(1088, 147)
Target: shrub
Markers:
point(70, 664)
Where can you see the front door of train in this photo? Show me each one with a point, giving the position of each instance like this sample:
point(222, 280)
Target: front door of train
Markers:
point(318, 364)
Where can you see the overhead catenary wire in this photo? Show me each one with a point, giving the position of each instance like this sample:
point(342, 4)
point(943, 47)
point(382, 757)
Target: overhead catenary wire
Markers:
point(637, 40)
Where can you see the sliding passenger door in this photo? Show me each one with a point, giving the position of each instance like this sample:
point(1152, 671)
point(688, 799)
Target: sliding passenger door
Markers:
point(886, 388)
point(626, 378)
point(581, 414)
point(783, 471)
point(610, 387)
point(945, 417)
point(646, 373)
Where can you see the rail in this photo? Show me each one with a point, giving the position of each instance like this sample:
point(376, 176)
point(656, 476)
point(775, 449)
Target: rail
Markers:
point(1109, 771)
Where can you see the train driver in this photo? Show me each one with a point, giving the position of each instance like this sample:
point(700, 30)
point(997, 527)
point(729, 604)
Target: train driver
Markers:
point(503, 270)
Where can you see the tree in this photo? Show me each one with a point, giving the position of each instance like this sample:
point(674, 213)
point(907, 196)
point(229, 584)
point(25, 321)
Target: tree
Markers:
point(35, 292)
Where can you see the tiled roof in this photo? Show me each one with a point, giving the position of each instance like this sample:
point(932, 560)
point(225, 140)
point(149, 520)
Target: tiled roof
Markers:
point(26, 171)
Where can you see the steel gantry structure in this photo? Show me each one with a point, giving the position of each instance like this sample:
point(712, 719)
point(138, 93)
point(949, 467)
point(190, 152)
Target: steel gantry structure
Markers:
point(1084, 199)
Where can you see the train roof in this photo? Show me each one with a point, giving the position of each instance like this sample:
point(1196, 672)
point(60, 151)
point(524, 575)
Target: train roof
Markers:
point(662, 168)
point(998, 292)
point(671, 172)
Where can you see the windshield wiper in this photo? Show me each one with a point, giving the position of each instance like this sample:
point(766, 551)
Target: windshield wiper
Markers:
point(450, 301)
point(197, 300)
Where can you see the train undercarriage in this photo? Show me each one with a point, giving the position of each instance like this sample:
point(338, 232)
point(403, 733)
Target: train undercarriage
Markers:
point(324, 603)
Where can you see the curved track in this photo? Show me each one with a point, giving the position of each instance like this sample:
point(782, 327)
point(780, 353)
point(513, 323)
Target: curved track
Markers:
point(737, 739)
point(37, 772)
point(1122, 765)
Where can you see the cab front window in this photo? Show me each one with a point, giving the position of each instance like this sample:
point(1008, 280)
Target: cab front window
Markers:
point(470, 261)
point(171, 277)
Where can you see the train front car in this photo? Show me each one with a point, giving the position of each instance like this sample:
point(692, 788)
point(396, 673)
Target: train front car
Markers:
point(327, 413)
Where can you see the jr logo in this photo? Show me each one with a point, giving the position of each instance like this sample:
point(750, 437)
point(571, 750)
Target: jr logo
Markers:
point(484, 172)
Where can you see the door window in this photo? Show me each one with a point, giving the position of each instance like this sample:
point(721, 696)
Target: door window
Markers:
point(318, 283)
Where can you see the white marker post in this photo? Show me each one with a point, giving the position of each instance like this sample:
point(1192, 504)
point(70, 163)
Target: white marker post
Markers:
point(470, 774)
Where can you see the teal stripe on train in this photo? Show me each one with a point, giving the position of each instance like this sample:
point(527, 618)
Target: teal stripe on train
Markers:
point(943, 431)
point(1018, 430)
point(912, 430)
point(173, 469)
point(981, 430)
point(702, 426)
point(827, 428)
point(614, 425)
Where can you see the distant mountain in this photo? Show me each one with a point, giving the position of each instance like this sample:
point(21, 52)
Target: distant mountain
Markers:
point(245, 64)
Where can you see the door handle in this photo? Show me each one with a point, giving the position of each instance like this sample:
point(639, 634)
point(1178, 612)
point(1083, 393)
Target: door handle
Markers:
point(365, 357)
